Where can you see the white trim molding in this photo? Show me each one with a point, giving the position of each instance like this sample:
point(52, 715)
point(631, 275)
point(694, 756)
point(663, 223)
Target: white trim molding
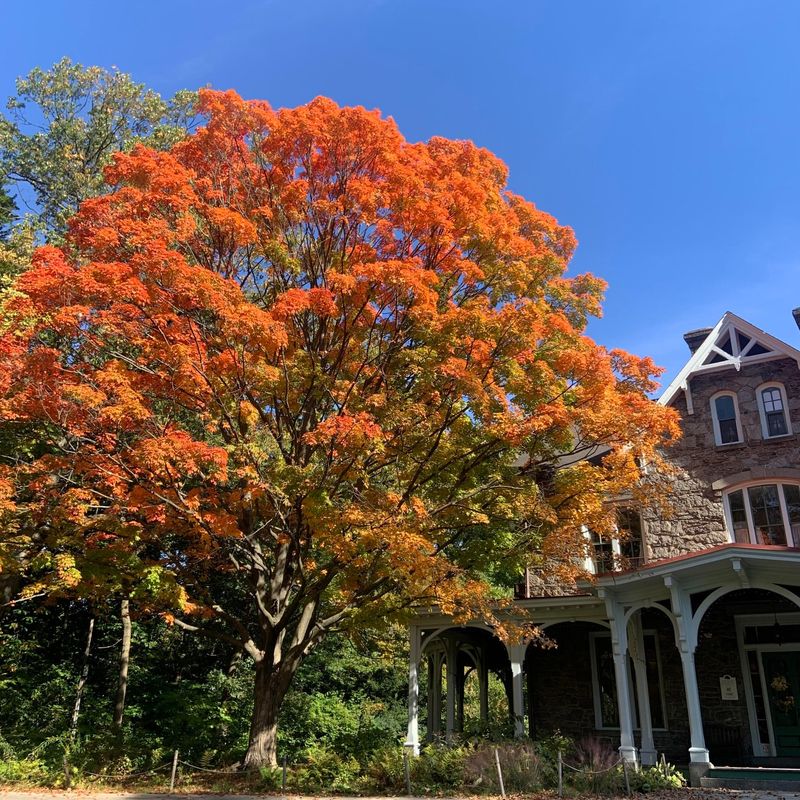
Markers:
point(763, 410)
point(722, 349)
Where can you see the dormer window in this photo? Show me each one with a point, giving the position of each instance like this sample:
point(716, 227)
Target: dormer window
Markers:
point(725, 413)
point(773, 409)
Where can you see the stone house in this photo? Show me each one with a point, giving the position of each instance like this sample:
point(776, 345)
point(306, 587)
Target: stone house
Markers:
point(687, 641)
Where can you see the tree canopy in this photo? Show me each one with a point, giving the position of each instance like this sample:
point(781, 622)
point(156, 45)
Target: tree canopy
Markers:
point(296, 373)
point(64, 125)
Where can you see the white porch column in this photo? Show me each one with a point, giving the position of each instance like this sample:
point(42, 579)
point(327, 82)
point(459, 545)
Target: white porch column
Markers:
point(619, 646)
point(647, 749)
point(434, 694)
point(412, 737)
point(699, 760)
point(697, 752)
point(516, 655)
point(451, 656)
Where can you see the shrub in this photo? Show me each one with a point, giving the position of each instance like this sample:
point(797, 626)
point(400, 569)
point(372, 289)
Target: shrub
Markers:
point(519, 761)
point(328, 771)
point(547, 749)
point(655, 779)
point(271, 778)
point(595, 766)
point(26, 771)
point(385, 769)
point(440, 766)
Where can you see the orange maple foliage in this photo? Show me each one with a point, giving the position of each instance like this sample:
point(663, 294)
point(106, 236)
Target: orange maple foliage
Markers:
point(300, 361)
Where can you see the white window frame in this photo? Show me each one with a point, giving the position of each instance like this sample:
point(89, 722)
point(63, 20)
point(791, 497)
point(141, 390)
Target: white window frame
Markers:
point(763, 412)
point(590, 562)
point(743, 487)
point(717, 434)
point(598, 711)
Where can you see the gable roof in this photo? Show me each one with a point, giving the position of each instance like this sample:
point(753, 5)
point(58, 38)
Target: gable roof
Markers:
point(732, 343)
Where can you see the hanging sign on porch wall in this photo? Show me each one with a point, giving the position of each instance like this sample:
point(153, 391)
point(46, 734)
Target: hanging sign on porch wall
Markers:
point(727, 688)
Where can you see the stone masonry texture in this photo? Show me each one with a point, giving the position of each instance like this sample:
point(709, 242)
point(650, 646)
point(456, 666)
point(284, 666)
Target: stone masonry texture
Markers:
point(696, 520)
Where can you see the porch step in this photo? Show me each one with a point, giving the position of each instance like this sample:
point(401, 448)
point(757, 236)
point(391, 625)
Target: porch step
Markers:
point(771, 778)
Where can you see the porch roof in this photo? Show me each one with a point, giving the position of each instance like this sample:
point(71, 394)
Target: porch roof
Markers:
point(724, 565)
point(739, 565)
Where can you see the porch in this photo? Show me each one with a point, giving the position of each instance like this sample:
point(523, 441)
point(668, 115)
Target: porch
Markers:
point(697, 657)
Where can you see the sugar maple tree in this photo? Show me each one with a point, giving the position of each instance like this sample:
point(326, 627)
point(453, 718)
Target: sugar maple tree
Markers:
point(287, 372)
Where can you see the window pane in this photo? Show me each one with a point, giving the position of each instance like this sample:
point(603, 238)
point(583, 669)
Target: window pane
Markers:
point(630, 525)
point(758, 697)
point(776, 424)
point(728, 432)
point(741, 533)
point(603, 553)
point(772, 400)
point(726, 419)
point(767, 518)
point(606, 682)
point(792, 496)
point(725, 408)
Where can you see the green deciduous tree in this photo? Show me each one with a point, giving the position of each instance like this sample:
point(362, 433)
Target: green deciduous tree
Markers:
point(61, 129)
point(63, 126)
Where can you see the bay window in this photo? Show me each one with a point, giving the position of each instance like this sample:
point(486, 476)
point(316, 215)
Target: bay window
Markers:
point(767, 513)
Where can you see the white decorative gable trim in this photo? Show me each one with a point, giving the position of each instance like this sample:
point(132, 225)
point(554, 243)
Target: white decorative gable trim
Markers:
point(732, 343)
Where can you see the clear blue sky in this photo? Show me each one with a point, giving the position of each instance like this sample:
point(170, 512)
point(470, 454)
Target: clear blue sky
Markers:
point(665, 133)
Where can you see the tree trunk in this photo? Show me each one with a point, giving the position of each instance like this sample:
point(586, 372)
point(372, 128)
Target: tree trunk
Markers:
point(76, 709)
point(271, 685)
point(124, 660)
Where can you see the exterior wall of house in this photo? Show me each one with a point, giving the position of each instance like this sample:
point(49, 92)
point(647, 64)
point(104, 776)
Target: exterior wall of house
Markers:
point(674, 740)
point(697, 519)
point(562, 691)
point(561, 687)
point(725, 722)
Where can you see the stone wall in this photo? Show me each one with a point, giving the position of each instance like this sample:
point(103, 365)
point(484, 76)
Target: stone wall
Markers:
point(725, 722)
point(697, 520)
point(673, 741)
point(561, 693)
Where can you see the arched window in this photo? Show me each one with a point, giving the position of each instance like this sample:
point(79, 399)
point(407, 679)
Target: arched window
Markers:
point(774, 410)
point(764, 513)
point(725, 413)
